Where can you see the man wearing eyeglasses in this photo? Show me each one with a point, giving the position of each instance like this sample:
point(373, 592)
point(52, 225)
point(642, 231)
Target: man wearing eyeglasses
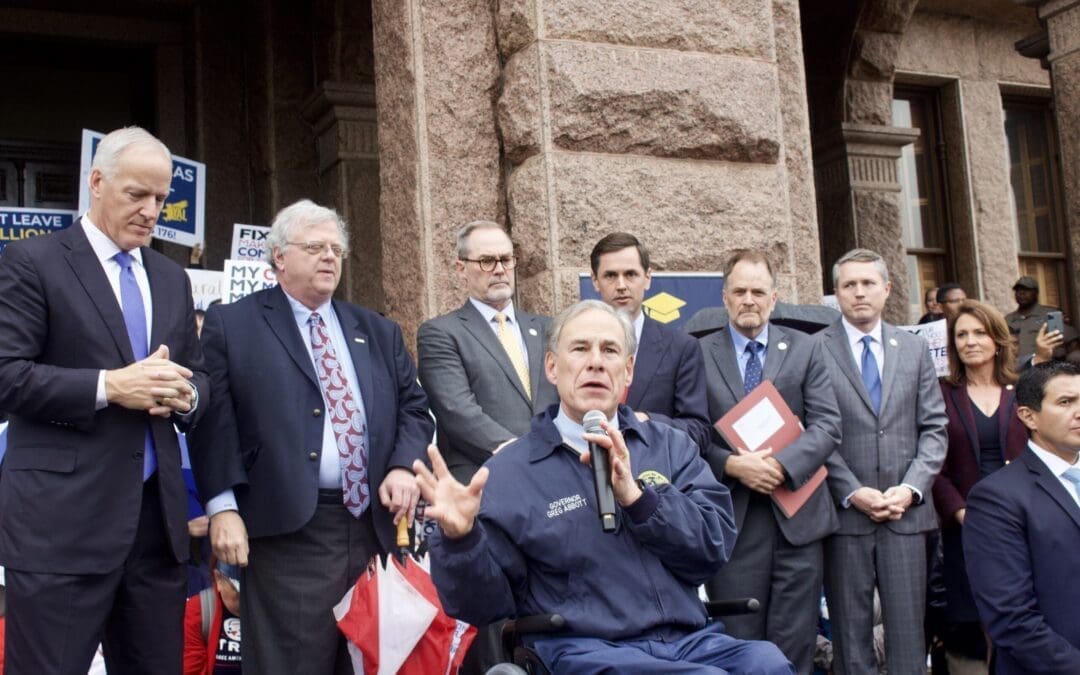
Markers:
point(482, 364)
point(305, 453)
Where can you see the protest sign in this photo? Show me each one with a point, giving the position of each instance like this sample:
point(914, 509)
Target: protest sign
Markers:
point(244, 277)
point(182, 217)
point(249, 242)
point(205, 287)
point(673, 297)
point(937, 338)
point(21, 223)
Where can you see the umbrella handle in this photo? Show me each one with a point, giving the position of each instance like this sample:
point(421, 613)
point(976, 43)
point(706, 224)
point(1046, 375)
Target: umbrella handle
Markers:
point(403, 533)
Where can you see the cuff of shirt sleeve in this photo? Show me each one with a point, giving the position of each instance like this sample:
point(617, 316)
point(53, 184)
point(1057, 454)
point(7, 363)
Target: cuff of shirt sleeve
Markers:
point(847, 500)
point(915, 493)
point(643, 508)
point(226, 501)
point(101, 400)
point(461, 544)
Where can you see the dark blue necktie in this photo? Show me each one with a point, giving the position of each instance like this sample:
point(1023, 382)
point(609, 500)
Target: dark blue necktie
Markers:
point(752, 376)
point(131, 302)
point(871, 378)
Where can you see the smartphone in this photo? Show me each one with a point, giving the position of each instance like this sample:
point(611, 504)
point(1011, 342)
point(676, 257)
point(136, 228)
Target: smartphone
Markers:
point(1054, 322)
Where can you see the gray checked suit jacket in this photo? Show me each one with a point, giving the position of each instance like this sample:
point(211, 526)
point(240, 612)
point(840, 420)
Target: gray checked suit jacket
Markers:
point(474, 391)
point(798, 373)
point(904, 444)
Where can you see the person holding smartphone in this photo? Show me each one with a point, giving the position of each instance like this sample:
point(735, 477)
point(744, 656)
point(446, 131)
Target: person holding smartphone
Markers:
point(1028, 321)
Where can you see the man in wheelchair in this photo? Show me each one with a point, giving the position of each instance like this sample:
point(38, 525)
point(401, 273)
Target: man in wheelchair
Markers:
point(524, 537)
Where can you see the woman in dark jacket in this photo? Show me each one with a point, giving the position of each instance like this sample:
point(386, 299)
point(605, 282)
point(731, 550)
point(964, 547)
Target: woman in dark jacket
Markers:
point(984, 434)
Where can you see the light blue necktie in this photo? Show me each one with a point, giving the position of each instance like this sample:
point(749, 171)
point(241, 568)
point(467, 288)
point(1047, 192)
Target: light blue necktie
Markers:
point(131, 302)
point(870, 376)
point(752, 376)
point(1073, 476)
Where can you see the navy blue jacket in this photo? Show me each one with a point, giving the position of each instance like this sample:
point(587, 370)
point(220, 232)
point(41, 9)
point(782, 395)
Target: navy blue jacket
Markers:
point(537, 546)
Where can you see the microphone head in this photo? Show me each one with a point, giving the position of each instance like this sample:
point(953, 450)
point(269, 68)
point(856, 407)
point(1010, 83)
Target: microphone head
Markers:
point(592, 421)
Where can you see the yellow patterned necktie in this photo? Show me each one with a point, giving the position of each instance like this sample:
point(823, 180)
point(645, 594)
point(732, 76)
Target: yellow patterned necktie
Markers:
point(512, 346)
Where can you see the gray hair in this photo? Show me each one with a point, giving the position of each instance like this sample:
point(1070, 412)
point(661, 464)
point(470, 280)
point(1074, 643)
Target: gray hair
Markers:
point(109, 149)
point(555, 332)
point(461, 248)
point(303, 213)
point(860, 255)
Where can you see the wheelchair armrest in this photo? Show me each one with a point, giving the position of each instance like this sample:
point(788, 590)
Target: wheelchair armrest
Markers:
point(537, 623)
point(732, 607)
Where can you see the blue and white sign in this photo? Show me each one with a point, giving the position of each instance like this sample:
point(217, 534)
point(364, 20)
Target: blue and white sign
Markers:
point(244, 277)
point(249, 242)
point(19, 223)
point(673, 297)
point(183, 216)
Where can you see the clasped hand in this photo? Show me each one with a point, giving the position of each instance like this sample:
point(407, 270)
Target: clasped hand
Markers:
point(154, 384)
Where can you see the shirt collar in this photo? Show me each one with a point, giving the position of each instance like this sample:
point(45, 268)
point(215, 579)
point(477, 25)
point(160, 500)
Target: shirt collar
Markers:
point(855, 335)
point(105, 248)
point(639, 327)
point(549, 435)
point(489, 312)
point(739, 341)
point(302, 312)
point(1057, 465)
point(571, 431)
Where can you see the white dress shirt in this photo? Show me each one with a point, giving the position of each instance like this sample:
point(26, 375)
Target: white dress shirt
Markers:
point(1058, 467)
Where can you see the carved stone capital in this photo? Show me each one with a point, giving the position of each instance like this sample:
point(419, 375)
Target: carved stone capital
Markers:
point(344, 118)
point(861, 157)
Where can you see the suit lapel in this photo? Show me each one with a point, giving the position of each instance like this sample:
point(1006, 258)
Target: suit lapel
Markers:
point(1051, 485)
point(278, 314)
point(474, 322)
point(890, 347)
point(723, 355)
point(88, 270)
point(360, 350)
point(158, 291)
point(532, 332)
point(837, 343)
point(962, 402)
point(774, 354)
point(649, 354)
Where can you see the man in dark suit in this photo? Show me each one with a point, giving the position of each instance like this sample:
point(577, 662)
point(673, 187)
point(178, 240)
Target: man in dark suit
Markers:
point(669, 382)
point(1022, 533)
point(892, 446)
point(482, 365)
point(776, 559)
point(305, 453)
point(98, 359)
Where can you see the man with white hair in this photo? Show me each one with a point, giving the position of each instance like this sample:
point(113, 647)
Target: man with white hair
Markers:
point(98, 360)
point(306, 454)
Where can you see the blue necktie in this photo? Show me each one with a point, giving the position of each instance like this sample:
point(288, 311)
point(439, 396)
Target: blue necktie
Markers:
point(131, 302)
point(871, 378)
point(1073, 476)
point(752, 376)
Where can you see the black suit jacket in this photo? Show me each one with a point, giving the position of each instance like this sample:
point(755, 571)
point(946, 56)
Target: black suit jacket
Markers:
point(263, 437)
point(71, 487)
point(669, 381)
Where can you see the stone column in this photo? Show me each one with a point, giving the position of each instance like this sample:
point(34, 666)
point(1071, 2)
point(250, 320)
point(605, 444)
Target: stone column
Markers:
point(668, 122)
point(1062, 19)
point(859, 197)
point(436, 75)
point(343, 117)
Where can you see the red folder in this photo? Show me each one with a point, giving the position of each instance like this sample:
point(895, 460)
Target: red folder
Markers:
point(789, 501)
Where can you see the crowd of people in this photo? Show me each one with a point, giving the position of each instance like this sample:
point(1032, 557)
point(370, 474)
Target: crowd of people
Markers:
point(309, 431)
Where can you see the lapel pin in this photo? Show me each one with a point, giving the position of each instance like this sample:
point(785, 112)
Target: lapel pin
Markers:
point(782, 346)
point(360, 340)
point(892, 341)
point(532, 332)
point(1008, 387)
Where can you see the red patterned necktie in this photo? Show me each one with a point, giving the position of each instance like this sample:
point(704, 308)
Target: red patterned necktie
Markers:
point(345, 418)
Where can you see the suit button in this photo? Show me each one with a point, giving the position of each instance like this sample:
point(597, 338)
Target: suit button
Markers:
point(316, 412)
point(313, 456)
point(137, 454)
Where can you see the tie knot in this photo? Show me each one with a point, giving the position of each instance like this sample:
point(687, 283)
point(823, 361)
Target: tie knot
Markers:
point(867, 341)
point(1073, 476)
point(315, 319)
point(500, 318)
point(753, 347)
point(123, 258)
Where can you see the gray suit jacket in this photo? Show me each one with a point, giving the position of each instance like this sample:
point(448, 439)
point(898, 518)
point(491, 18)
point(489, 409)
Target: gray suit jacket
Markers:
point(798, 372)
point(475, 393)
point(905, 443)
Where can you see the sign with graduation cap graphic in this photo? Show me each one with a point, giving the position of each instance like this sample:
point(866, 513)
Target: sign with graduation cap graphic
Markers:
point(673, 297)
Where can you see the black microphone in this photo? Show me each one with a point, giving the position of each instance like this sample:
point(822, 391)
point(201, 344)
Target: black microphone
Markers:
point(601, 467)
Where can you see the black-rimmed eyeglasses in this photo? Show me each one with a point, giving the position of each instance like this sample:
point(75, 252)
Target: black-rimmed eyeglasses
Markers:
point(487, 263)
